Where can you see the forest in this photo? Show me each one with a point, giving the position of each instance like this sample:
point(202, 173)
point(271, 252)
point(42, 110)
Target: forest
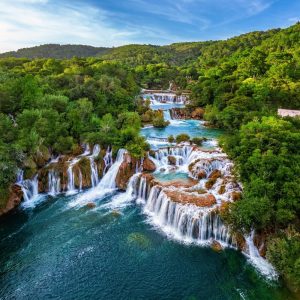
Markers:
point(50, 106)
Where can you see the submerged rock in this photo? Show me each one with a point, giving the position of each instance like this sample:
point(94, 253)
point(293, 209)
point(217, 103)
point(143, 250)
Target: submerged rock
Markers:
point(138, 239)
point(90, 205)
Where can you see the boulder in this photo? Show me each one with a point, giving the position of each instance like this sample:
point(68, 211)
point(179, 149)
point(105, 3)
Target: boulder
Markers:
point(201, 174)
point(216, 246)
point(210, 182)
point(172, 160)
point(126, 170)
point(215, 174)
point(148, 165)
point(221, 190)
point(90, 205)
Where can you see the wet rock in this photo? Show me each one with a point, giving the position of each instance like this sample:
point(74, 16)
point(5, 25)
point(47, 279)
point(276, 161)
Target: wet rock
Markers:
point(91, 205)
point(210, 182)
point(201, 174)
point(235, 196)
point(240, 241)
point(215, 174)
point(126, 170)
point(221, 190)
point(172, 160)
point(216, 246)
point(148, 165)
point(206, 200)
point(15, 196)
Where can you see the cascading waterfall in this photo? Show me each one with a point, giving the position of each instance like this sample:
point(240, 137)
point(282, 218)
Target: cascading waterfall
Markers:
point(167, 115)
point(30, 188)
point(123, 199)
point(107, 159)
point(184, 222)
point(181, 155)
point(259, 262)
point(109, 179)
point(107, 184)
point(53, 183)
point(94, 168)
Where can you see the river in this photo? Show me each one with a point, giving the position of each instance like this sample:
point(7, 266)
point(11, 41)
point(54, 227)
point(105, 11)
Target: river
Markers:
point(55, 247)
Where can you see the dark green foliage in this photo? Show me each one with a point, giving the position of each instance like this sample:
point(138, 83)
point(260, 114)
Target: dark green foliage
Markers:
point(183, 137)
point(57, 51)
point(50, 106)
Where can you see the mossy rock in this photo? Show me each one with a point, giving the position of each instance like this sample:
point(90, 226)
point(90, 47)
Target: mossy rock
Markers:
point(201, 191)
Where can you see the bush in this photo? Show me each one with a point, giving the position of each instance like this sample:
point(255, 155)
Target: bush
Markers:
point(171, 139)
point(183, 137)
point(160, 122)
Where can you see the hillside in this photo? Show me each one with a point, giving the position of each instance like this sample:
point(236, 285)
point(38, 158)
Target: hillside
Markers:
point(56, 51)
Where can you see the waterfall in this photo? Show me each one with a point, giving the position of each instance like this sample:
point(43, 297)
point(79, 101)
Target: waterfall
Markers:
point(109, 179)
point(20, 175)
point(123, 199)
point(94, 168)
point(53, 183)
point(107, 184)
point(180, 153)
point(30, 188)
point(71, 181)
point(167, 115)
point(259, 262)
point(184, 222)
point(107, 159)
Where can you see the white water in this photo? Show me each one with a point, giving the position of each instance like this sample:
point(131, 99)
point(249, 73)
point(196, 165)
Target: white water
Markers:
point(53, 183)
point(167, 115)
point(261, 264)
point(107, 160)
point(123, 199)
point(107, 184)
point(187, 223)
point(94, 168)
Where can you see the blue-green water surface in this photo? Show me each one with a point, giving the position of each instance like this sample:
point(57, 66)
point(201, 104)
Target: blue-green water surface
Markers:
point(58, 252)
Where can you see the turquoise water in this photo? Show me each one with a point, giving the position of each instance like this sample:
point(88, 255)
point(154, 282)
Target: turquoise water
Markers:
point(193, 128)
point(58, 252)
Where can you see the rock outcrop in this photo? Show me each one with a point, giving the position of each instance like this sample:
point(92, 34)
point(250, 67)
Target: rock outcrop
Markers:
point(148, 165)
point(14, 199)
point(126, 170)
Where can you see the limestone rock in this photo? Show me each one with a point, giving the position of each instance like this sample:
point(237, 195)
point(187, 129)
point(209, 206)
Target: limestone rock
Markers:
point(14, 199)
point(148, 165)
point(216, 246)
point(172, 160)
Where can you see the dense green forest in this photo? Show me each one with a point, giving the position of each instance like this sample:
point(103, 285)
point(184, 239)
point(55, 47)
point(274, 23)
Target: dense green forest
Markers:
point(54, 105)
point(56, 51)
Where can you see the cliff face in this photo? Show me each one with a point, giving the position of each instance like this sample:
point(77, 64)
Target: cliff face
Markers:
point(126, 170)
point(14, 199)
